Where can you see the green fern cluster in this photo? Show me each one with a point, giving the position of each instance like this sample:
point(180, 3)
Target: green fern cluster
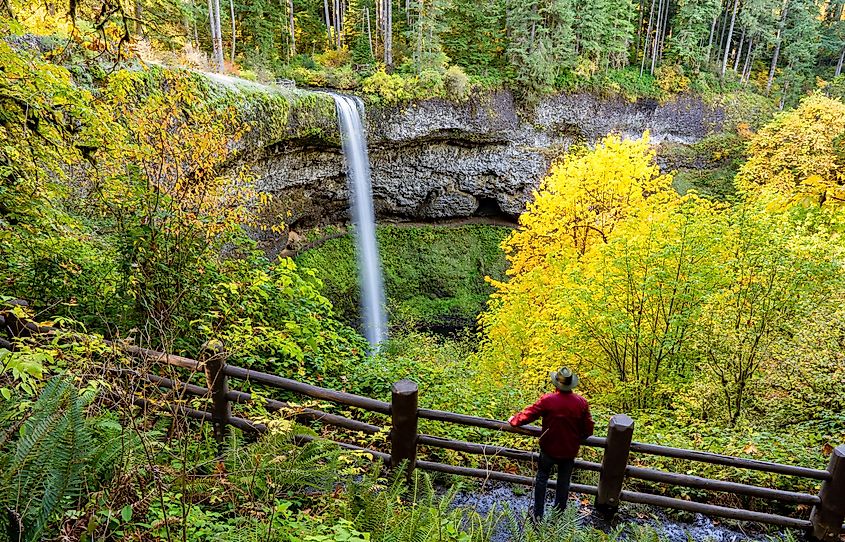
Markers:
point(398, 511)
point(274, 465)
point(46, 459)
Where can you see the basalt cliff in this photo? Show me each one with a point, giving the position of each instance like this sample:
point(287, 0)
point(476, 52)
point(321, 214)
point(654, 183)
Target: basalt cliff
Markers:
point(437, 160)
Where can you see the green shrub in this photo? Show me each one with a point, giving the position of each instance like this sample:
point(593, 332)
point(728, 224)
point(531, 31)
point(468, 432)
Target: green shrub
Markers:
point(429, 83)
point(392, 89)
point(456, 83)
point(306, 76)
point(334, 58)
point(671, 78)
point(343, 78)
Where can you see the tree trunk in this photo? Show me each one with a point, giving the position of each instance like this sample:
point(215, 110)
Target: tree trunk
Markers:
point(220, 66)
point(292, 29)
point(212, 19)
point(234, 30)
point(647, 37)
point(639, 27)
point(712, 35)
point(656, 40)
point(839, 64)
point(663, 33)
point(336, 20)
point(328, 21)
point(388, 34)
point(139, 16)
point(370, 34)
point(723, 27)
point(739, 50)
point(341, 9)
point(777, 47)
point(728, 42)
point(746, 68)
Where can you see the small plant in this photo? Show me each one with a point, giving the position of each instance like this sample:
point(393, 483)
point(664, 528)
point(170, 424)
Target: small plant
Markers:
point(456, 83)
point(671, 79)
point(392, 89)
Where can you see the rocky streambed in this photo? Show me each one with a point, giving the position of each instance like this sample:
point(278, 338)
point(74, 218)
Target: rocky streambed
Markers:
point(498, 496)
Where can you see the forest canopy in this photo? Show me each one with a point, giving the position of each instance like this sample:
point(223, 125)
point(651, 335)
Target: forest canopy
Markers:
point(405, 48)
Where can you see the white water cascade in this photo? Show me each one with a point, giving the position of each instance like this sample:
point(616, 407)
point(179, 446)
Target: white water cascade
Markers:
point(349, 114)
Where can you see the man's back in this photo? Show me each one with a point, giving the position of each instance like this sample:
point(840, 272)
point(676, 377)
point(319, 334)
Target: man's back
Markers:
point(566, 421)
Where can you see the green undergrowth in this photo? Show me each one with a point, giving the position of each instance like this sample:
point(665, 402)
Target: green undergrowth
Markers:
point(434, 276)
point(449, 378)
point(117, 474)
point(707, 166)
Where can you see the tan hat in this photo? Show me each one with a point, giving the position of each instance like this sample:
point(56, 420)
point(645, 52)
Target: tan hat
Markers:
point(564, 379)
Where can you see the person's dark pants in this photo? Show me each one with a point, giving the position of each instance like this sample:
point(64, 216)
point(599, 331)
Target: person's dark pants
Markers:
point(544, 469)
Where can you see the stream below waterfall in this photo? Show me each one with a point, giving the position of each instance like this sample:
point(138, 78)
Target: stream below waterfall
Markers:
point(496, 496)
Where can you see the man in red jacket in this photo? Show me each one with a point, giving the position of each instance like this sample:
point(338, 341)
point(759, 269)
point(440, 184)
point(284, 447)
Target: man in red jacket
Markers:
point(566, 422)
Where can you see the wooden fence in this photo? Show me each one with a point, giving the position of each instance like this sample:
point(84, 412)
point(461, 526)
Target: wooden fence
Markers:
point(824, 523)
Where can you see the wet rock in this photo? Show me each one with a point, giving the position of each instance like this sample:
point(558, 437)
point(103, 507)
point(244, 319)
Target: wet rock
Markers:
point(437, 159)
point(495, 497)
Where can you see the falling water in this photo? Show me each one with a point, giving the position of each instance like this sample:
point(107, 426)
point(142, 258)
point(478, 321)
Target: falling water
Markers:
point(349, 114)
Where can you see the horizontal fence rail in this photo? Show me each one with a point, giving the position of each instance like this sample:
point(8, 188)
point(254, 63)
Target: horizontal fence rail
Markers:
point(824, 523)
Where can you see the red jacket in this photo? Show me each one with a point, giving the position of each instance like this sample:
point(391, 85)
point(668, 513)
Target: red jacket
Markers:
point(566, 422)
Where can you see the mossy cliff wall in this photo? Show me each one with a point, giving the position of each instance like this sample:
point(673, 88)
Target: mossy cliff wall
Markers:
point(438, 160)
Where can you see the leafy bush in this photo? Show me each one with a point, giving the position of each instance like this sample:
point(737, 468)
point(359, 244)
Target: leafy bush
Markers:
point(342, 78)
point(392, 89)
point(671, 78)
point(307, 77)
point(334, 58)
point(429, 83)
point(456, 83)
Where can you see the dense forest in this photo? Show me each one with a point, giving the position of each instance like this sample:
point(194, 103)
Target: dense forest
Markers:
point(778, 48)
point(708, 303)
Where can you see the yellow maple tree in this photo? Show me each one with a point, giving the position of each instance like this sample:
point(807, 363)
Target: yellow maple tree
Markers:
point(535, 318)
point(799, 156)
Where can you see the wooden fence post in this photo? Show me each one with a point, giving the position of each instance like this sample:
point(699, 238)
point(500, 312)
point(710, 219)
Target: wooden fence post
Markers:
point(403, 435)
point(828, 515)
point(213, 357)
point(620, 430)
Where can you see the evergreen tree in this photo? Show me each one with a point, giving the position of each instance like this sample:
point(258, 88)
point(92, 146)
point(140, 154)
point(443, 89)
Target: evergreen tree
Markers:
point(358, 31)
point(473, 36)
point(801, 39)
point(424, 35)
point(541, 41)
point(693, 27)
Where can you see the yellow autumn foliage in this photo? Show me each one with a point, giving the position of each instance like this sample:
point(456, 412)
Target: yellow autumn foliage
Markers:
point(582, 200)
point(800, 155)
point(647, 293)
point(535, 319)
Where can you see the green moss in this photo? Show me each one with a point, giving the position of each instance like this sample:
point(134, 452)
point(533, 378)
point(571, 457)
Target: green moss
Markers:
point(434, 276)
point(708, 167)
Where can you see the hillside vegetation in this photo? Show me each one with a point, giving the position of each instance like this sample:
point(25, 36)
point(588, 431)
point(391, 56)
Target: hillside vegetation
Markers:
point(397, 51)
point(434, 276)
point(715, 320)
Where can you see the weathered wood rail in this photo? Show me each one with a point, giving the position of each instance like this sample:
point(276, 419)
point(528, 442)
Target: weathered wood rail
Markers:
point(824, 522)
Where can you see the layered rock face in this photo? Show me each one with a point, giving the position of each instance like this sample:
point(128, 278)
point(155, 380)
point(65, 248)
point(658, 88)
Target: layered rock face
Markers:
point(437, 160)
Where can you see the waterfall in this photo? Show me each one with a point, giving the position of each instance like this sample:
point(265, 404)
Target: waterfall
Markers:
point(349, 114)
